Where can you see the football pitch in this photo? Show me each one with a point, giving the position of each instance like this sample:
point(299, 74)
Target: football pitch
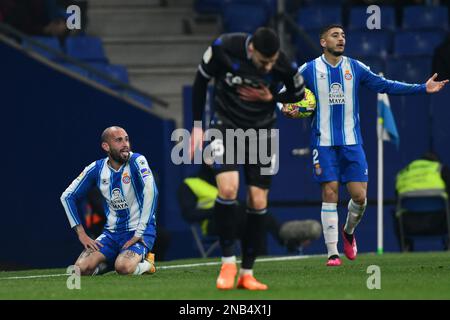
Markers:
point(400, 276)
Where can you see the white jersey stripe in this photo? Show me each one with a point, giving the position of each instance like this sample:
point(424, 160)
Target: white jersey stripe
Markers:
point(325, 111)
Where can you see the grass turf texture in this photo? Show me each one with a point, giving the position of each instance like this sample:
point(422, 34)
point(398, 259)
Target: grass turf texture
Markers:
point(403, 276)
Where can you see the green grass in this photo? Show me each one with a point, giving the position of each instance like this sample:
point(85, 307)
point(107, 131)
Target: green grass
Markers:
point(403, 276)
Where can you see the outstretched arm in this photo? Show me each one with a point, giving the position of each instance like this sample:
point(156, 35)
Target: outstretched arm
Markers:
point(433, 86)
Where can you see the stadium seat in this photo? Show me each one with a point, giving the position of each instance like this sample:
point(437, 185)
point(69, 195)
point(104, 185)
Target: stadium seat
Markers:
point(74, 68)
point(208, 6)
point(317, 17)
point(412, 212)
point(307, 50)
point(416, 43)
point(412, 70)
point(425, 17)
point(236, 17)
point(86, 48)
point(118, 72)
point(323, 2)
point(358, 18)
point(368, 44)
point(376, 65)
point(51, 42)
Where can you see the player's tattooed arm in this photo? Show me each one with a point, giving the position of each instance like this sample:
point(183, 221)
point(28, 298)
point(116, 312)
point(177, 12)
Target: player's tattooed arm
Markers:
point(87, 242)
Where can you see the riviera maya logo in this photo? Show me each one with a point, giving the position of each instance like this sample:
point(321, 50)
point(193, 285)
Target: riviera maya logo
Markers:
point(336, 95)
point(117, 200)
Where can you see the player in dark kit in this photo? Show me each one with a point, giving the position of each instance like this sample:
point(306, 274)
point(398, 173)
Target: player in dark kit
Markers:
point(248, 70)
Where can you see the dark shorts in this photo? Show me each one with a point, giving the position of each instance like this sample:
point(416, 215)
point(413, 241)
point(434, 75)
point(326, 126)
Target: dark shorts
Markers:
point(252, 148)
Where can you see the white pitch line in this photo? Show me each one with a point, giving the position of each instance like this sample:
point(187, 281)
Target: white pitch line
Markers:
point(203, 264)
point(38, 276)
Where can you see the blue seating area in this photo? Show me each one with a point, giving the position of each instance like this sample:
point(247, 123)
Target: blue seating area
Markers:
point(236, 17)
point(408, 37)
point(88, 50)
point(421, 18)
point(358, 18)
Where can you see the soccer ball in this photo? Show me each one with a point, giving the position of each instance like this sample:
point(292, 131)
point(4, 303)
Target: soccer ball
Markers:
point(305, 107)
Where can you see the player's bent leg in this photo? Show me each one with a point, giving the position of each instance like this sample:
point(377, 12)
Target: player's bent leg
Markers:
point(356, 207)
point(225, 212)
point(329, 218)
point(127, 262)
point(88, 261)
point(253, 237)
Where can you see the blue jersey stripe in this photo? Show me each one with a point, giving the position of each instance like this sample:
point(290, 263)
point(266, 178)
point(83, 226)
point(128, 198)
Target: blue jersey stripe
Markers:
point(355, 104)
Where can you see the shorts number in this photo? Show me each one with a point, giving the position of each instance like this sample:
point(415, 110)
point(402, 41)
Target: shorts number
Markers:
point(315, 156)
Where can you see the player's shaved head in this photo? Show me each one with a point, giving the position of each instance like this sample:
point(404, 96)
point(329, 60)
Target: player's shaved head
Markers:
point(106, 134)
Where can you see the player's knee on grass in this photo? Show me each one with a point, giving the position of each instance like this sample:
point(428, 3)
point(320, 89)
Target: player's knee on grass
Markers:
point(125, 267)
point(86, 267)
point(126, 262)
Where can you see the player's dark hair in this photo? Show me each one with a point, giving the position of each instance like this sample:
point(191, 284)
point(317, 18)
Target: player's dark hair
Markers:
point(328, 27)
point(266, 41)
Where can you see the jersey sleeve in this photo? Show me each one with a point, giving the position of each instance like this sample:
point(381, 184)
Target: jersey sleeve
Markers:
point(150, 195)
point(382, 85)
point(293, 84)
point(211, 60)
point(76, 191)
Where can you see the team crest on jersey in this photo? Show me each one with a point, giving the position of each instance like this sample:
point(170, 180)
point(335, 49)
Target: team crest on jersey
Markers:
point(117, 200)
point(348, 75)
point(126, 178)
point(336, 95)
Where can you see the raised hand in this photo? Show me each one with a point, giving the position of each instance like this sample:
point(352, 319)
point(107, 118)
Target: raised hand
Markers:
point(435, 86)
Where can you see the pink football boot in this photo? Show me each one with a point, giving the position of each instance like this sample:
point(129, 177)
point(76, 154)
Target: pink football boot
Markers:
point(334, 262)
point(350, 249)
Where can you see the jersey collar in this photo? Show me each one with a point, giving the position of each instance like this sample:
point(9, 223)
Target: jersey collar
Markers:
point(325, 61)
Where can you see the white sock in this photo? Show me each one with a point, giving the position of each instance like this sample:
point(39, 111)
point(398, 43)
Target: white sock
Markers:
point(142, 267)
point(231, 259)
point(243, 271)
point(330, 227)
point(355, 213)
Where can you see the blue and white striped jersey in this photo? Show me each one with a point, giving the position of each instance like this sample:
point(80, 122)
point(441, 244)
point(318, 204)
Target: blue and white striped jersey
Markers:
point(130, 194)
point(336, 120)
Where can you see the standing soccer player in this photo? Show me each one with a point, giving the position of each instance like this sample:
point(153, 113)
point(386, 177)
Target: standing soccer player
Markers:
point(248, 70)
point(130, 196)
point(338, 156)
